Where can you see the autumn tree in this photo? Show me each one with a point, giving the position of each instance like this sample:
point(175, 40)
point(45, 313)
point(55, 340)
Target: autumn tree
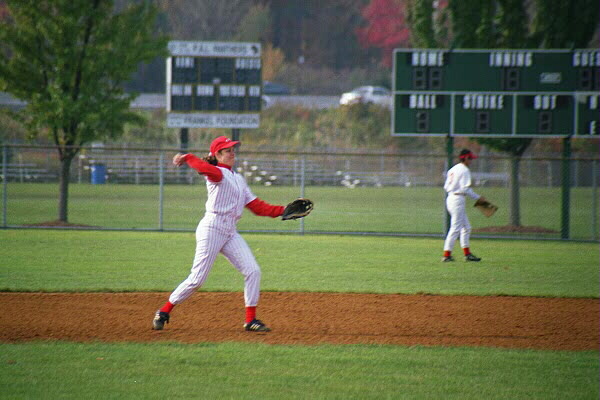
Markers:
point(68, 60)
point(272, 62)
point(207, 20)
point(386, 28)
point(328, 35)
point(254, 26)
point(3, 11)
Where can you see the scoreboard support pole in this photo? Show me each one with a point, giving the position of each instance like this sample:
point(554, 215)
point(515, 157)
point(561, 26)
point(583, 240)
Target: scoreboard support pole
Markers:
point(566, 188)
point(183, 148)
point(4, 184)
point(235, 134)
point(184, 138)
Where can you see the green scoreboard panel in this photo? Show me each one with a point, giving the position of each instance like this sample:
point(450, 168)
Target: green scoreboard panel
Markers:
point(213, 85)
point(496, 93)
point(587, 113)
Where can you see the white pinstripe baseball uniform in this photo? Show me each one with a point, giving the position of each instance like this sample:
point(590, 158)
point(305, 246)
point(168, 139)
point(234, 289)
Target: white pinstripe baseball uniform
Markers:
point(216, 233)
point(458, 186)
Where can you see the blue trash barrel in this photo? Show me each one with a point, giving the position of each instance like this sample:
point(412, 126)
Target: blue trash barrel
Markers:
point(98, 173)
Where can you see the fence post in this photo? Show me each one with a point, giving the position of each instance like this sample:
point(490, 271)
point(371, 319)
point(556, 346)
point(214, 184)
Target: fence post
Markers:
point(594, 200)
point(302, 182)
point(575, 176)
point(137, 169)
point(79, 167)
point(4, 184)
point(529, 171)
point(294, 176)
point(566, 183)
point(161, 181)
point(21, 166)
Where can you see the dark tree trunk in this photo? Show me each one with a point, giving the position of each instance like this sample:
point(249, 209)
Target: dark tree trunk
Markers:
point(63, 195)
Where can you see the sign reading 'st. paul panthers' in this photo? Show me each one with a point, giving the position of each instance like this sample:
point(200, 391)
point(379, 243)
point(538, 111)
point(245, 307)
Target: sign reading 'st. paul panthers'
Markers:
point(496, 93)
point(214, 84)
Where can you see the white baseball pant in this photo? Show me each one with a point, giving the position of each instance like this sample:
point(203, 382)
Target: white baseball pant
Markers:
point(459, 223)
point(213, 238)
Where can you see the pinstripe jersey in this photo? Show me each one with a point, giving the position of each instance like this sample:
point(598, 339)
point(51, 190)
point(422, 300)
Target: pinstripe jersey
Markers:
point(228, 197)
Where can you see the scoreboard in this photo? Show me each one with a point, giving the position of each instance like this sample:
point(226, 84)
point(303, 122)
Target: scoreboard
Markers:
point(496, 93)
point(213, 85)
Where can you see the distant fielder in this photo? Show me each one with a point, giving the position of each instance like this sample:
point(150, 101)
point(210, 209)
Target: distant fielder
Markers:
point(216, 233)
point(458, 187)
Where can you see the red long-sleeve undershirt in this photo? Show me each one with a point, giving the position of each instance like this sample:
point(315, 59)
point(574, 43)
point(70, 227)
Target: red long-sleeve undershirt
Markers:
point(263, 209)
point(214, 174)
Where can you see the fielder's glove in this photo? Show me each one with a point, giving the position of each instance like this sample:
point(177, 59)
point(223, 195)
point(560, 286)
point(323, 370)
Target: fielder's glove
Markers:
point(486, 208)
point(297, 209)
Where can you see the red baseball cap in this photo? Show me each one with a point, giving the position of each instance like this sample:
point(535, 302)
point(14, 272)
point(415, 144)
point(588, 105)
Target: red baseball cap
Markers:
point(220, 143)
point(466, 153)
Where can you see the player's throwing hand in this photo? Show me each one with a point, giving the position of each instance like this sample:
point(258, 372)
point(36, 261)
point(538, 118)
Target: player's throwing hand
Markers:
point(178, 159)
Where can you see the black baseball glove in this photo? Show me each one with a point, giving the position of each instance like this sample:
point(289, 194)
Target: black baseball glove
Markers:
point(297, 209)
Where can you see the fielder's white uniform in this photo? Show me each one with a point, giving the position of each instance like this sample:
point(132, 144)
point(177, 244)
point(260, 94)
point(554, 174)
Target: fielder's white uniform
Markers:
point(458, 187)
point(217, 232)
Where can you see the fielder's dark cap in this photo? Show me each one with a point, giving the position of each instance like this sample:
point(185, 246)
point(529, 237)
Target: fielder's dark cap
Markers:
point(466, 153)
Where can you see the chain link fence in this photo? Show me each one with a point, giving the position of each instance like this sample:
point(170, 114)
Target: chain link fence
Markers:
point(379, 193)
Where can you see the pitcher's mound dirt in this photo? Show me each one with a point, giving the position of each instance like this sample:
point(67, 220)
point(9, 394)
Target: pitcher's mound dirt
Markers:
point(308, 318)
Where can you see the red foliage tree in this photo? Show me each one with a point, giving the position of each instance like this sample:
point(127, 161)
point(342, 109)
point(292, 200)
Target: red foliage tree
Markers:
point(386, 28)
point(4, 13)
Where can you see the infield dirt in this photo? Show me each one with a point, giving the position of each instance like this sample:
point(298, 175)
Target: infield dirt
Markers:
point(308, 318)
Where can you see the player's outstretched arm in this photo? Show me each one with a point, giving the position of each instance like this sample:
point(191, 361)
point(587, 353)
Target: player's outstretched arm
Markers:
point(213, 173)
point(264, 209)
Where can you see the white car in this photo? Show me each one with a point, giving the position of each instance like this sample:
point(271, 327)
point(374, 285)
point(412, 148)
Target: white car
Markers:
point(367, 94)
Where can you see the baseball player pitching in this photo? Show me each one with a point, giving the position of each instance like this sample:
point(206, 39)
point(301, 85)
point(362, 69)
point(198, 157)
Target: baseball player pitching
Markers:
point(458, 187)
point(216, 233)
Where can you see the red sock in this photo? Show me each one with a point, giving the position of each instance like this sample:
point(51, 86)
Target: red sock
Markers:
point(447, 253)
point(250, 314)
point(467, 251)
point(167, 307)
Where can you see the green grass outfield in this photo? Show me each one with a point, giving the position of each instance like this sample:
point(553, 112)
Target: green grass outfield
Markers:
point(67, 260)
point(56, 370)
point(419, 210)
